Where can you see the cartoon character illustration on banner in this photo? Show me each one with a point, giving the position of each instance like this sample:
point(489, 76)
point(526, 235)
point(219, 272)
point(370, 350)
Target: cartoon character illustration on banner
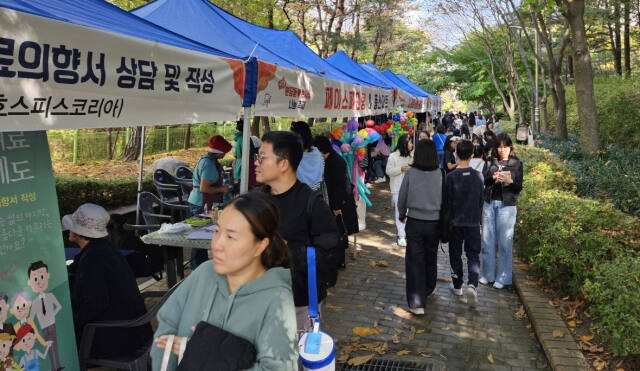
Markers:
point(45, 307)
point(351, 144)
point(4, 313)
point(7, 363)
point(25, 341)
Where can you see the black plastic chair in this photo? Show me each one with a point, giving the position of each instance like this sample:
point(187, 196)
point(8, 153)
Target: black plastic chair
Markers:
point(184, 173)
point(138, 360)
point(167, 187)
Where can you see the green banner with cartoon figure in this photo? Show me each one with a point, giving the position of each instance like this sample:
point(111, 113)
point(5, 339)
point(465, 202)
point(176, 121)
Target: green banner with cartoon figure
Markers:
point(36, 321)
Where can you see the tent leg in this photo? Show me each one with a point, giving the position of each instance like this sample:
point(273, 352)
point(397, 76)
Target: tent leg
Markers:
point(246, 148)
point(140, 176)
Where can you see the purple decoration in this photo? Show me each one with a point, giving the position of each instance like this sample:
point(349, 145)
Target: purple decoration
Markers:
point(336, 148)
point(352, 124)
point(357, 140)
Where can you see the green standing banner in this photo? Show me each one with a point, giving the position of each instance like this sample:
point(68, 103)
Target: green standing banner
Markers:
point(36, 320)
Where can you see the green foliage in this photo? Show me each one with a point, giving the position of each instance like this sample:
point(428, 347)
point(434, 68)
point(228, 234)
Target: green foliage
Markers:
point(612, 175)
point(618, 104)
point(571, 240)
point(615, 293)
point(73, 192)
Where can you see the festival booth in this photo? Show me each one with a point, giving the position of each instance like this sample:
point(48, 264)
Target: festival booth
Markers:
point(292, 81)
point(402, 98)
point(434, 102)
point(64, 66)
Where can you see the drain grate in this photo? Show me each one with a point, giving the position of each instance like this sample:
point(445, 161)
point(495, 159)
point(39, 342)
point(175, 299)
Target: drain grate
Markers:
point(390, 365)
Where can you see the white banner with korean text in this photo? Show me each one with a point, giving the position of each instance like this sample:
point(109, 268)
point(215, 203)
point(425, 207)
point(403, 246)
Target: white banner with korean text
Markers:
point(284, 92)
point(57, 75)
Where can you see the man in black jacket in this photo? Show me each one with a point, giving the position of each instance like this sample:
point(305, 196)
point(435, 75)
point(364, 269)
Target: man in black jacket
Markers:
point(305, 219)
point(103, 286)
point(340, 191)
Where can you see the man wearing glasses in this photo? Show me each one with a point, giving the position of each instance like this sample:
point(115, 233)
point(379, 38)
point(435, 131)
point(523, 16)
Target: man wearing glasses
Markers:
point(305, 218)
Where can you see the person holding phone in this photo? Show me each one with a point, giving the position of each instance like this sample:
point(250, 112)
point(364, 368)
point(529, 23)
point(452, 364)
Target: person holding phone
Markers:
point(503, 183)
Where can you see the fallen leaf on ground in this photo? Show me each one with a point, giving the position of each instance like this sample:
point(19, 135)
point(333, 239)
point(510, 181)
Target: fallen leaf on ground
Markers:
point(357, 361)
point(490, 358)
point(520, 314)
point(524, 267)
point(599, 364)
point(402, 313)
point(383, 263)
point(403, 352)
point(375, 324)
point(361, 305)
point(528, 325)
point(571, 323)
point(412, 334)
point(365, 331)
point(557, 334)
point(372, 263)
point(334, 308)
point(398, 330)
point(395, 339)
point(425, 355)
point(551, 303)
point(420, 331)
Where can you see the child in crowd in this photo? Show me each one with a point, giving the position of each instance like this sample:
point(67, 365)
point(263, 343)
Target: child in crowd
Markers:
point(464, 202)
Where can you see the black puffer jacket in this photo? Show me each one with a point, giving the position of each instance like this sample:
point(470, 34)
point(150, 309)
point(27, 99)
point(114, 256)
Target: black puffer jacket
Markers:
point(509, 192)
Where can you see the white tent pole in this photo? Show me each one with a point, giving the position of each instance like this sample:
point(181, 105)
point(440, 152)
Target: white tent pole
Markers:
point(246, 148)
point(140, 175)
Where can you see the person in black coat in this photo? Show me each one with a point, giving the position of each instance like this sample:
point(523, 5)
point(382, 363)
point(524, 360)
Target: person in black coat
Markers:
point(103, 287)
point(340, 191)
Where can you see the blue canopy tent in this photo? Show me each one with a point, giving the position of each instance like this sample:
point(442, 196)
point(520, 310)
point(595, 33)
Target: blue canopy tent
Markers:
point(393, 77)
point(374, 71)
point(415, 86)
point(341, 61)
point(206, 23)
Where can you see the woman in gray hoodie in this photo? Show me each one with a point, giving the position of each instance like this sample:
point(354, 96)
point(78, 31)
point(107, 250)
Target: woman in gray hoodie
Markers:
point(419, 203)
point(245, 291)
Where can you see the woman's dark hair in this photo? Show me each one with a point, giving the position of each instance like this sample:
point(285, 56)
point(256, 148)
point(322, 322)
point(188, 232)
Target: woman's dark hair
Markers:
point(425, 132)
point(447, 144)
point(263, 215)
point(478, 151)
point(465, 130)
point(302, 129)
point(322, 143)
point(239, 125)
point(503, 139)
point(488, 134)
point(403, 145)
point(425, 157)
point(440, 129)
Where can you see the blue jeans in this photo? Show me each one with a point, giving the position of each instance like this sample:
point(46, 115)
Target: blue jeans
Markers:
point(198, 256)
point(498, 224)
point(379, 165)
point(441, 159)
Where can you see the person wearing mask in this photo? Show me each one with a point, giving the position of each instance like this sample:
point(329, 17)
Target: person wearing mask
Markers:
point(464, 205)
point(208, 186)
point(341, 201)
point(305, 219)
point(399, 162)
point(245, 290)
point(419, 203)
point(503, 183)
point(439, 139)
point(104, 287)
point(312, 164)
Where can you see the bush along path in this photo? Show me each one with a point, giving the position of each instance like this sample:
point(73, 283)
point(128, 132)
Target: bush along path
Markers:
point(366, 311)
point(586, 254)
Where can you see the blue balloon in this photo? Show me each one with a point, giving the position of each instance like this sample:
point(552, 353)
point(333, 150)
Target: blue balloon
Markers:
point(374, 136)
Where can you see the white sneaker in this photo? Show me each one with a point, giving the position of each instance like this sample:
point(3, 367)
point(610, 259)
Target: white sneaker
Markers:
point(483, 281)
point(402, 242)
point(380, 180)
point(362, 227)
point(456, 292)
point(417, 311)
point(472, 296)
point(368, 185)
point(497, 285)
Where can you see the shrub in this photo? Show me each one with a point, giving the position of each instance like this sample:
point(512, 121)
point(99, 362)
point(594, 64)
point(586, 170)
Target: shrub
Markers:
point(578, 243)
point(73, 192)
point(615, 294)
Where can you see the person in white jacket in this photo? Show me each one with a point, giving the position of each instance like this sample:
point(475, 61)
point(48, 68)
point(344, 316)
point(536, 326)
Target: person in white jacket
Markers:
point(399, 162)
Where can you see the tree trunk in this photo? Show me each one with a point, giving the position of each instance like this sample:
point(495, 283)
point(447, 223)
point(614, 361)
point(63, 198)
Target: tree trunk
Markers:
point(255, 126)
point(377, 43)
point(617, 53)
point(560, 109)
point(587, 112)
point(270, 17)
point(132, 149)
point(627, 38)
point(570, 66)
point(109, 145)
point(356, 29)
point(543, 111)
point(187, 137)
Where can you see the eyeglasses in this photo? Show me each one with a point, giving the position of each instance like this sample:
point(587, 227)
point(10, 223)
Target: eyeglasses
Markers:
point(261, 156)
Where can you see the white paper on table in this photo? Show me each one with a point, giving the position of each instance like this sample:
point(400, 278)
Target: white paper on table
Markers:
point(200, 235)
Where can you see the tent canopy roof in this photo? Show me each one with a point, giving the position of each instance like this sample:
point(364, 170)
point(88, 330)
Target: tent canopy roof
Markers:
point(206, 23)
point(392, 76)
point(99, 14)
point(341, 61)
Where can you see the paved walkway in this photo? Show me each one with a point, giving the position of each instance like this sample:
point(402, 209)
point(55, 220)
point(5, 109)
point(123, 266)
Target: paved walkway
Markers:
point(449, 336)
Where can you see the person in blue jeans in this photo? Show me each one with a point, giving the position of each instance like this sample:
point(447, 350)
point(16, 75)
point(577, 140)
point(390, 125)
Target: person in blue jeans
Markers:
point(503, 183)
point(439, 139)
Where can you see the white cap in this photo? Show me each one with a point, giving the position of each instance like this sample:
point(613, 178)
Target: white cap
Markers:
point(89, 220)
point(454, 139)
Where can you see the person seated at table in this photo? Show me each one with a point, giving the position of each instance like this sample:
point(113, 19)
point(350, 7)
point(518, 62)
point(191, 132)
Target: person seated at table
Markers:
point(245, 291)
point(104, 286)
point(208, 186)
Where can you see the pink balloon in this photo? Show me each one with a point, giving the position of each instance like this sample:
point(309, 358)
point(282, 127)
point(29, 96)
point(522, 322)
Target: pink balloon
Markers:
point(345, 147)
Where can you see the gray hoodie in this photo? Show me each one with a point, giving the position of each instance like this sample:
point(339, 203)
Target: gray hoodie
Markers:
point(420, 194)
point(260, 311)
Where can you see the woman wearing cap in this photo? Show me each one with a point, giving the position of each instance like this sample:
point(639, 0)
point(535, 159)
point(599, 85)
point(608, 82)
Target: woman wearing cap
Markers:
point(245, 290)
point(104, 286)
point(208, 186)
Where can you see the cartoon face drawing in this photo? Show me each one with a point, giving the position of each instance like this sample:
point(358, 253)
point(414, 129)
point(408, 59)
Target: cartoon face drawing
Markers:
point(4, 310)
point(39, 280)
point(20, 308)
point(5, 348)
point(27, 342)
